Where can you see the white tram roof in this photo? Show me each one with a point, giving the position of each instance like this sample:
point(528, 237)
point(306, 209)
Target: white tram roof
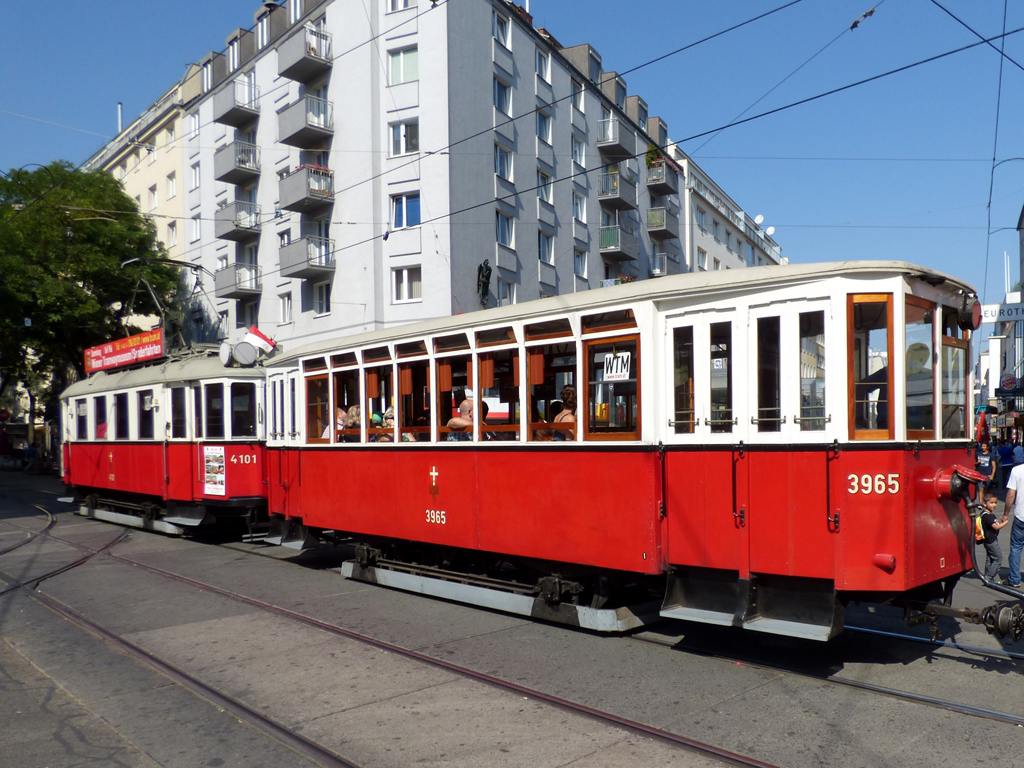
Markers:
point(694, 285)
point(200, 366)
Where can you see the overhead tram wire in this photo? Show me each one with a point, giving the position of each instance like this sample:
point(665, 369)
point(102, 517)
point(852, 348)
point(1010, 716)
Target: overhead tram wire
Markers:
point(820, 51)
point(592, 85)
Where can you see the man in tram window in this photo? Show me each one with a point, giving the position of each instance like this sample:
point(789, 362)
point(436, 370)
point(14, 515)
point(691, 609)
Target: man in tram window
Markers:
point(920, 383)
point(462, 425)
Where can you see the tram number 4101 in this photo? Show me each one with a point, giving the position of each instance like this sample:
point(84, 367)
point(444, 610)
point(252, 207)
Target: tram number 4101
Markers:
point(435, 516)
point(878, 484)
point(245, 458)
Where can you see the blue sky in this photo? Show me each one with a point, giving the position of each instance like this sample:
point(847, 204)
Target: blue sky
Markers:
point(898, 168)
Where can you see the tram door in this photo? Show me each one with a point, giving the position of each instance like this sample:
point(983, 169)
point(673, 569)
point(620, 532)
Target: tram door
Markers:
point(285, 391)
point(707, 491)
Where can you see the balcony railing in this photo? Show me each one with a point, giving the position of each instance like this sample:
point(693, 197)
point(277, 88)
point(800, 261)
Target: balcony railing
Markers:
point(659, 264)
point(305, 55)
point(618, 242)
point(615, 139)
point(307, 188)
point(307, 257)
point(238, 280)
point(309, 120)
point(237, 221)
point(237, 104)
point(236, 163)
point(662, 223)
point(662, 179)
point(617, 190)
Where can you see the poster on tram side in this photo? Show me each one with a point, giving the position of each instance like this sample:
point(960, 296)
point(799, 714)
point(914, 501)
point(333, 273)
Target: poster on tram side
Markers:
point(214, 470)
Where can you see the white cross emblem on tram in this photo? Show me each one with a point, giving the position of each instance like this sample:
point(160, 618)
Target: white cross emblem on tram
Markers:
point(433, 480)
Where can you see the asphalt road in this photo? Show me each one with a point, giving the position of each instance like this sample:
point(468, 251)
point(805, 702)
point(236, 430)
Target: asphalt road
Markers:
point(68, 698)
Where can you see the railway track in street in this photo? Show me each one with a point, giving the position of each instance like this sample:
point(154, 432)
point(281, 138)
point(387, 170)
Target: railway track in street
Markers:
point(289, 737)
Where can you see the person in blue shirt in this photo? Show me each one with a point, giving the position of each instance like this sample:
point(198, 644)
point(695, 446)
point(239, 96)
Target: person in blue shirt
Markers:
point(986, 463)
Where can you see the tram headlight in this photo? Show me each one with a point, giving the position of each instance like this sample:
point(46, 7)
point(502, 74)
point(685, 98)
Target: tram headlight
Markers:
point(969, 314)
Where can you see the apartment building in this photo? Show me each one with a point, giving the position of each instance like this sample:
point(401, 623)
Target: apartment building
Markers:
point(349, 166)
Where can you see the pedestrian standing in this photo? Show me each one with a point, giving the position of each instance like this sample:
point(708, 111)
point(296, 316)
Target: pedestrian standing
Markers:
point(989, 526)
point(1013, 489)
point(986, 463)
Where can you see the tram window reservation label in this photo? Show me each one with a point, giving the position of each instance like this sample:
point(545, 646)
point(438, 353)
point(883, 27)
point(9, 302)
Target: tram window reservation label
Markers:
point(616, 366)
point(213, 470)
point(874, 484)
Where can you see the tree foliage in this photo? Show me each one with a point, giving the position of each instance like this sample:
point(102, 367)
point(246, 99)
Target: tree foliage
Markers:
point(66, 284)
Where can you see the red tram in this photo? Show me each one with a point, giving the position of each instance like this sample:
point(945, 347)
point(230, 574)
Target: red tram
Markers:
point(167, 447)
point(752, 448)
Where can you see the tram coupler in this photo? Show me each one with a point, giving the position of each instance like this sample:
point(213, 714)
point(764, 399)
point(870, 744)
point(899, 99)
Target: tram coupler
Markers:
point(1000, 620)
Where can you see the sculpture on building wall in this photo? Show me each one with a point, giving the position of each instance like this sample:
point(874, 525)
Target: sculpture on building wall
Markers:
point(483, 280)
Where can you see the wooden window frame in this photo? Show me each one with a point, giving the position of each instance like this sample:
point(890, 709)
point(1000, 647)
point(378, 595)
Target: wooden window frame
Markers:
point(922, 434)
point(311, 436)
point(853, 299)
point(583, 399)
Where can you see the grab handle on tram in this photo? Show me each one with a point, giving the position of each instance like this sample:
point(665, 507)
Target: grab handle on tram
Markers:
point(801, 420)
point(709, 422)
point(741, 515)
point(773, 420)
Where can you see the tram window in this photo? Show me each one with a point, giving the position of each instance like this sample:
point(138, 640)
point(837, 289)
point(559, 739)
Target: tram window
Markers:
point(82, 419)
point(215, 410)
point(920, 331)
point(178, 417)
point(317, 425)
point(722, 420)
point(100, 407)
point(274, 407)
point(682, 342)
point(607, 321)
point(243, 409)
point(454, 385)
point(494, 336)
point(613, 400)
point(769, 412)
point(411, 349)
point(950, 323)
point(812, 372)
point(550, 368)
point(343, 359)
point(379, 398)
point(292, 421)
point(198, 391)
point(451, 343)
point(414, 401)
point(498, 383)
point(548, 329)
point(954, 388)
point(146, 403)
point(121, 416)
point(346, 406)
point(870, 344)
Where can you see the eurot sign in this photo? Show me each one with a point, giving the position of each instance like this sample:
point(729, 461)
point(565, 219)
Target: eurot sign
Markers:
point(1001, 313)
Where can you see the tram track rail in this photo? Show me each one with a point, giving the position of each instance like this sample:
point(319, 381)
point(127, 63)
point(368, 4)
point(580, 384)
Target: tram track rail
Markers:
point(310, 749)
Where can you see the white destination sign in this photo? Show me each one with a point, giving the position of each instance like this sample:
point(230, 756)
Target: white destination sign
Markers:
point(1000, 313)
point(616, 367)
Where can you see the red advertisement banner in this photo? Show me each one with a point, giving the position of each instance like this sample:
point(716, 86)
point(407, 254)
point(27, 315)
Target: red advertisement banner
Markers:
point(121, 352)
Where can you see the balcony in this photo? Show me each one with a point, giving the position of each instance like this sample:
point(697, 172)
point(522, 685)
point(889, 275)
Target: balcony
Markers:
point(662, 179)
point(659, 264)
point(305, 55)
point(238, 281)
point(662, 223)
point(238, 104)
point(617, 190)
point(615, 139)
point(306, 123)
point(237, 163)
point(307, 257)
point(307, 189)
point(619, 243)
point(237, 221)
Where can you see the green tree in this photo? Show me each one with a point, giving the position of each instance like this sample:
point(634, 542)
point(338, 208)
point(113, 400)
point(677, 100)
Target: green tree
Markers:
point(77, 262)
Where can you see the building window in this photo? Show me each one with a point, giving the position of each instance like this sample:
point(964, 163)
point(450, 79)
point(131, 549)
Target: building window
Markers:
point(701, 220)
point(578, 151)
point(544, 127)
point(286, 307)
point(207, 76)
point(404, 66)
point(322, 299)
point(262, 32)
point(717, 264)
point(233, 55)
point(405, 137)
point(398, 5)
point(195, 176)
point(501, 29)
point(506, 292)
point(579, 262)
point(502, 97)
point(193, 120)
point(294, 11)
point(543, 65)
point(502, 162)
point(405, 210)
point(172, 185)
point(546, 247)
point(544, 182)
point(579, 207)
point(284, 238)
point(172, 234)
point(702, 259)
point(152, 197)
point(715, 230)
point(197, 228)
point(170, 134)
point(406, 285)
point(577, 94)
point(222, 325)
point(505, 230)
point(248, 314)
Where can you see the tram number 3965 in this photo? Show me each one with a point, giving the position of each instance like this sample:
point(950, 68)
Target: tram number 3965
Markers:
point(879, 484)
point(435, 516)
